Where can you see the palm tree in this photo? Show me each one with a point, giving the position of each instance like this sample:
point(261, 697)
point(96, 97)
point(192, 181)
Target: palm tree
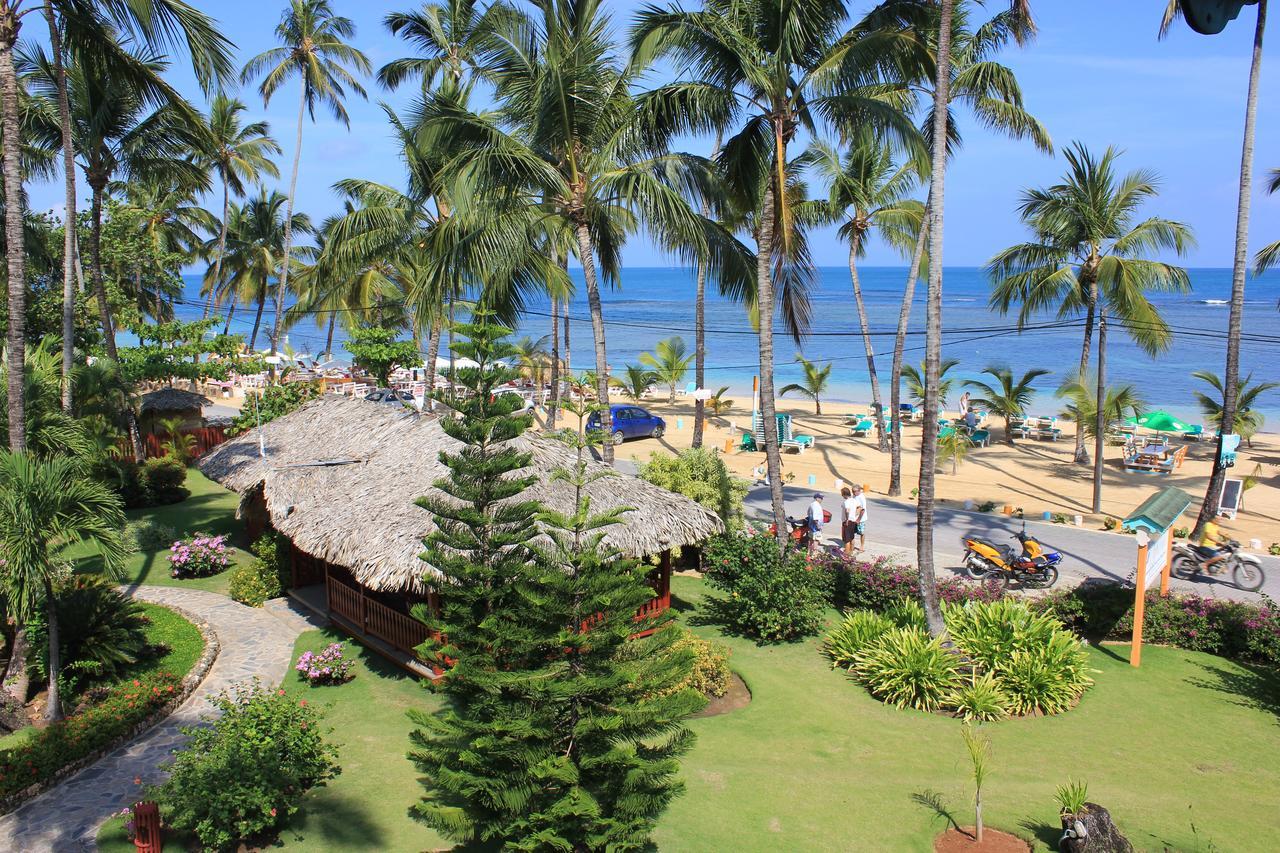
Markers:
point(1269, 255)
point(773, 69)
point(814, 384)
point(170, 221)
point(531, 355)
point(869, 191)
point(46, 505)
point(718, 403)
point(239, 155)
point(1007, 397)
point(1235, 323)
point(915, 381)
point(670, 362)
point(569, 141)
point(1248, 421)
point(953, 447)
point(635, 381)
point(1120, 402)
point(454, 39)
point(314, 49)
point(991, 92)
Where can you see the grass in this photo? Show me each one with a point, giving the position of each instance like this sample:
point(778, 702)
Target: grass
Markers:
point(210, 509)
point(814, 763)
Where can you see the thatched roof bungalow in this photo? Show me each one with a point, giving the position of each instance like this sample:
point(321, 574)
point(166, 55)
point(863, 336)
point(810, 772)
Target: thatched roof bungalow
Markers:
point(339, 477)
point(168, 403)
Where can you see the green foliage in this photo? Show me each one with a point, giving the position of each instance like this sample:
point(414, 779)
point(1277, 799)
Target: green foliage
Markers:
point(635, 381)
point(980, 699)
point(377, 351)
point(50, 749)
point(770, 597)
point(182, 350)
point(669, 362)
point(1248, 420)
point(710, 673)
point(1274, 549)
point(242, 776)
point(815, 382)
point(986, 506)
point(1120, 402)
point(275, 401)
point(1109, 523)
point(860, 629)
point(1072, 796)
point(953, 447)
point(149, 535)
point(700, 474)
point(1007, 396)
point(717, 403)
point(161, 479)
point(559, 731)
point(264, 578)
point(914, 377)
point(100, 633)
point(908, 668)
point(979, 749)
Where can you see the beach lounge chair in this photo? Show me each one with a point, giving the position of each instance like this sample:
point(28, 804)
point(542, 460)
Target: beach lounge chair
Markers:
point(1045, 433)
point(1196, 433)
point(980, 438)
point(687, 390)
point(862, 428)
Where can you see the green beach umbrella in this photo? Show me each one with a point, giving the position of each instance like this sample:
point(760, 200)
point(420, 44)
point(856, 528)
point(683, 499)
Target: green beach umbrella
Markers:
point(1159, 421)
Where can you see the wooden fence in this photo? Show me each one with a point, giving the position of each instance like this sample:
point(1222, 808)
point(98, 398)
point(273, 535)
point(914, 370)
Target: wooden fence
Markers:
point(153, 445)
point(396, 629)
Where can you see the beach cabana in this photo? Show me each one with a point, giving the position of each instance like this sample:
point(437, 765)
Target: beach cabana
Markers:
point(170, 403)
point(339, 477)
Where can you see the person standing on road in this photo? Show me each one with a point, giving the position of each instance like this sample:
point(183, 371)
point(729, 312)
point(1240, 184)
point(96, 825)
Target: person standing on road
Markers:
point(857, 509)
point(848, 511)
point(816, 518)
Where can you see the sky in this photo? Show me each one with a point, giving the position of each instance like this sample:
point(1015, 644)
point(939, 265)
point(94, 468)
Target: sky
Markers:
point(1096, 73)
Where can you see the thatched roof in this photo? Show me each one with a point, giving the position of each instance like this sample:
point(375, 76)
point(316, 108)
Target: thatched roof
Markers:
point(341, 476)
point(172, 400)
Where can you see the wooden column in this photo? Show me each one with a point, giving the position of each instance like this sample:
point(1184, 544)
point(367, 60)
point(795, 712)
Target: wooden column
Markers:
point(1139, 603)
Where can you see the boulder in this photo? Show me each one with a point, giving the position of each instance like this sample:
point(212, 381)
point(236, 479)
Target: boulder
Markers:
point(1091, 830)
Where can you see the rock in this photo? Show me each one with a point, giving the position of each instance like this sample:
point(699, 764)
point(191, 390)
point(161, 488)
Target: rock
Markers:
point(1091, 830)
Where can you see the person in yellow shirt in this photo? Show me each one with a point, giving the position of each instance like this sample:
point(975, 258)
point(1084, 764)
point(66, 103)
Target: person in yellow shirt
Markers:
point(1210, 553)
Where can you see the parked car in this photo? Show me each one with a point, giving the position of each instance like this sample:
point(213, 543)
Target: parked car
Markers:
point(629, 422)
point(391, 397)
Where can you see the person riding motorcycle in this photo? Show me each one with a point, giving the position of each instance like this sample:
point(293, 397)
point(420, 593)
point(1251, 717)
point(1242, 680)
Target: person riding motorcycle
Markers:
point(1207, 548)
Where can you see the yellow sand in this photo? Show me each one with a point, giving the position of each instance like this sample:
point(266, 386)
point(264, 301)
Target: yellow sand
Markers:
point(1033, 475)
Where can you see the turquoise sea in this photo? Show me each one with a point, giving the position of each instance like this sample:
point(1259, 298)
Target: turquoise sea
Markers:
point(652, 303)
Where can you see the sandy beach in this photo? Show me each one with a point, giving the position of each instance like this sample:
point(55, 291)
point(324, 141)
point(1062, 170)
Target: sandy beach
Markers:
point(1036, 476)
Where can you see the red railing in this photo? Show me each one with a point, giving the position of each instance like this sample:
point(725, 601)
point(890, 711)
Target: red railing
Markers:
point(153, 445)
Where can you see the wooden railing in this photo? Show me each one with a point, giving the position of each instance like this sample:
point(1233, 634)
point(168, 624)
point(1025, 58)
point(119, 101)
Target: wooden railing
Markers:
point(396, 629)
point(153, 445)
point(346, 602)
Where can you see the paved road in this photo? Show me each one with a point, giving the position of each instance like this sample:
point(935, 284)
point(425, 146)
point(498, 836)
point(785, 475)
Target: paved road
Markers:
point(254, 642)
point(1087, 553)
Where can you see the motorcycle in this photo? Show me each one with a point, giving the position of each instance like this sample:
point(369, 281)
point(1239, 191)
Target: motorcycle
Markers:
point(799, 535)
point(1245, 569)
point(1034, 566)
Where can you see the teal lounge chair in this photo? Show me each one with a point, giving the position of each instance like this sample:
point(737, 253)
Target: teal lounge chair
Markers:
point(862, 428)
point(980, 438)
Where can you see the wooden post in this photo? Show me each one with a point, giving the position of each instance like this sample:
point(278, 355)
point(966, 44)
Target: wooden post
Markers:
point(1168, 564)
point(1140, 601)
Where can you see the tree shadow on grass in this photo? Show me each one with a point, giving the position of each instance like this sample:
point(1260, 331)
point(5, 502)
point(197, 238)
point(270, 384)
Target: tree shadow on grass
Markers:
point(682, 605)
point(1046, 833)
point(1252, 686)
point(335, 822)
point(935, 803)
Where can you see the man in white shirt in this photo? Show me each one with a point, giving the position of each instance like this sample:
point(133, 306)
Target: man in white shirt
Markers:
point(856, 513)
point(816, 518)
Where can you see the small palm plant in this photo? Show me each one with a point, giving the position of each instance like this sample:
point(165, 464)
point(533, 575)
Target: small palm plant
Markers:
point(979, 748)
point(1006, 397)
point(915, 381)
point(953, 446)
point(1071, 797)
point(1248, 420)
point(531, 355)
point(718, 403)
point(814, 385)
point(669, 362)
point(1122, 401)
point(635, 382)
point(181, 446)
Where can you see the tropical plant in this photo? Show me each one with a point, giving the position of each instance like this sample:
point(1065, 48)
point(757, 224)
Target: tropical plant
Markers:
point(1072, 796)
point(1121, 401)
point(718, 403)
point(1006, 397)
point(979, 749)
point(915, 381)
point(699, 474)
point(860, 629)
point(314, 49)
point(769, 71)
point(170, 221)
point(1269, 255)
point(531, 355)
point(635, 381)
point(868, 190)
point(669, 362)
point(907, 668)
point(240, 155)
point(46, 505)
point(981, 700)
point(101, 632)
point(814, 385)
point(1248, 420)
point(953, 447)
point(770, 596)
point(377, 351)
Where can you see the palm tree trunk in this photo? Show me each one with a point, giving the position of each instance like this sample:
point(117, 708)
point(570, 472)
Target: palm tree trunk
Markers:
point(933, 330)
point(1100, 417)
point(768, 408)
point(895, 372)
point(53, 710)
point(17, 256)
point(553, 401)
point(257, 320)
point(99, 289)
point(876, 404)
point(1235, 322)
point(288, 228)
point(587, 257)
point(433, 352)
point(328, 340)
point(231, 312)
point(69, 215)
point(700, 349)
point(222, 241)
point(1081, 455)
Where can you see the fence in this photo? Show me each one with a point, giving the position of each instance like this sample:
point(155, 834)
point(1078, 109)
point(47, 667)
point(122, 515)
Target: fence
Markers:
point(206, 438)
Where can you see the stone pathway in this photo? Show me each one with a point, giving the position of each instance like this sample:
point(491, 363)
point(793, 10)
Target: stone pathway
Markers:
point(254, 642)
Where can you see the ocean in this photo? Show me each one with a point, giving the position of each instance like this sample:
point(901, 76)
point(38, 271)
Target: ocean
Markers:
point(652, 303)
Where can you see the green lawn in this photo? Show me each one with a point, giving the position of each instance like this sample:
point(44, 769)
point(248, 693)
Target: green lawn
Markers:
point(210, 509)
point(814, 763)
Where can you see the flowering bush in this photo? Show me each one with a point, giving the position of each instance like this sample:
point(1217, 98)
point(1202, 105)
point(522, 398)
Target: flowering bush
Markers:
point(241, 777)
point(772, 597)
point(63, 742)
point(861, 584)
point(325, 667)
point(199, 557)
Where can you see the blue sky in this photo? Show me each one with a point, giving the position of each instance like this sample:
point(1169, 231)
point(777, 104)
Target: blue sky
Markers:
point(1096, 73)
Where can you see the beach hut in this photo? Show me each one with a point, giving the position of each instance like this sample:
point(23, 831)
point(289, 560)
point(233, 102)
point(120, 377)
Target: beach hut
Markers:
point(171, 403)
point(339, 477)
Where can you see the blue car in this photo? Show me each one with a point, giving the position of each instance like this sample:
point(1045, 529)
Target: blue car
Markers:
point(629, 422)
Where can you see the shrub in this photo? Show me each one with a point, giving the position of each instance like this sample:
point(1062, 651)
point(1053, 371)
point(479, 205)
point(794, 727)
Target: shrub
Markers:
point(700, 474)
point(908, 668)
point(980, 700)
point(859, 629)
point(710, 674)
point(1274, 549)
point(1047, 680)
point(772, 597)
point(877, 584)
point(199, 557)
point(906, 613)
point(1072, 796)
point(263, 579)
point(1181, 532)
point(275, 401)
point(149, 535)
point(1110, 523)
point(163, 478)
point(100, 632)
point(241, 777)
point(49, 750)
point(324, 667)
point(986, 506)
